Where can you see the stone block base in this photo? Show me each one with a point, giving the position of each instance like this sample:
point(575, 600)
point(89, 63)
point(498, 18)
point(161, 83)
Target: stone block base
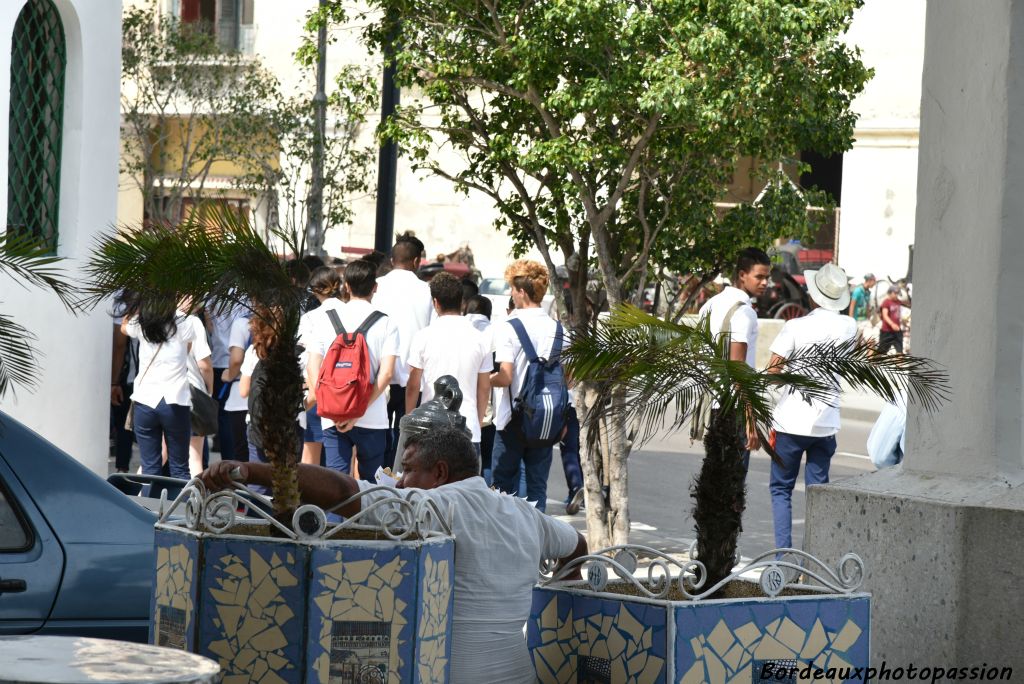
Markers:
point(944, 559)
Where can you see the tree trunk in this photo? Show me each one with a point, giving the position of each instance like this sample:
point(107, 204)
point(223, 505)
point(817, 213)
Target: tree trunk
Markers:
point(599, 534)
point(719, 496)
point(281, 400)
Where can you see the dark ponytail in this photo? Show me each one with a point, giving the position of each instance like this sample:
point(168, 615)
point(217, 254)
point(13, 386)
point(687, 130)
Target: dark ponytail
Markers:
point(157, 320)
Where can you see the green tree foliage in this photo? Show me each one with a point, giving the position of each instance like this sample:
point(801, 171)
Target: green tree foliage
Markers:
point(187, 104)
point(671, 373)
point(606, 130)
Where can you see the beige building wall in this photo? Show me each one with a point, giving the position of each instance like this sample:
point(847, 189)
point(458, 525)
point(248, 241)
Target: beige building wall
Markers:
point(429, 206)
point(880, 172)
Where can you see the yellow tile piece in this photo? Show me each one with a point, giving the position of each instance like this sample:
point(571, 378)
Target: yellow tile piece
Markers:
point(636, 664)
point(283, 614)
point(816, 642)
point(734, 657)
point(258, 566)
point(769, 648)
point(695, 675)
point(275, 560)
point(236, 679)
point(283, 577)
point(357, 572)
point(629, 624)
point(838, 663)
point(245, 658)
point(252, 626)
point(565, 630)
point(742, 677)
point(696, 647)
point(847, 637)
point(715, 667)
point(163, 556)
point(791, 635)
point(324, 602)
point(773, 626)
point(648, 638)
point(599, 649)
point(616, 644)
point(619, 670)
point(721, 639)
point(237, 570)
point(651, 670)
point(272, 677)
point(269, 640)
point(230, 616)
point(222, 649)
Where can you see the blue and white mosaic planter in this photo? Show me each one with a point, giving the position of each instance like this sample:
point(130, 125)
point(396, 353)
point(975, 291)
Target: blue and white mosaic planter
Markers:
point(307, 608)
point(580, 632)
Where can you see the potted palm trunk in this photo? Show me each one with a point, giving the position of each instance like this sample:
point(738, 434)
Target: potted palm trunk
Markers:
point(267, 586)
point(782, 617)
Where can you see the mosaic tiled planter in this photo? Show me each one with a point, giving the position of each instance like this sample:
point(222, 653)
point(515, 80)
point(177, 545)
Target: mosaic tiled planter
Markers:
point(310, 608)
point(581, 632)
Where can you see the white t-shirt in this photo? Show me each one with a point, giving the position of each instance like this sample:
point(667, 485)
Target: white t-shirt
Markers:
point(793, 415)
point(541, 330)
point(407, 302)
point(163, 368)
point(220, 324)
point(743, 325)
point(200, 350)
point(452, 346)
point(306, 326)
point(239, 337)
point(381, 340)
point(500, 541)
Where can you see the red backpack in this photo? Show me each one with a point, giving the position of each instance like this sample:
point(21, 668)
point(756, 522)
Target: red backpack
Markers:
point(345, 385)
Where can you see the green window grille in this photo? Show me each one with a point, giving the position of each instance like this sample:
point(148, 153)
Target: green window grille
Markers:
point(38, 60)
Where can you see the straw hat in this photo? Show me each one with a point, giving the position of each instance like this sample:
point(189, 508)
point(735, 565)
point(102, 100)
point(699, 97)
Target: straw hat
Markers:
point(829, 287)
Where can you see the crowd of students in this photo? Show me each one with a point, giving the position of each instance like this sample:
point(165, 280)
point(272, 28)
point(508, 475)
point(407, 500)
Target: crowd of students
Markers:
point(414, 333)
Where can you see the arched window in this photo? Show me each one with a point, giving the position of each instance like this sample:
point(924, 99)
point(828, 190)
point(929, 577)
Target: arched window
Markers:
point(38, 59)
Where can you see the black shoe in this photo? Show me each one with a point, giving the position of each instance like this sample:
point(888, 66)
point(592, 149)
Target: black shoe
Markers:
point(575, 502)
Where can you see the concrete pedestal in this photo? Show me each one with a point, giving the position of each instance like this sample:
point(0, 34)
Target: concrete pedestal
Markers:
point(943, 563)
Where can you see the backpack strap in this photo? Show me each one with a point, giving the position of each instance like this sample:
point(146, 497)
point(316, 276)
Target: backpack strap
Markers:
point(524, 339)
point(339, 329)
point(369, 322)
point(556, 347)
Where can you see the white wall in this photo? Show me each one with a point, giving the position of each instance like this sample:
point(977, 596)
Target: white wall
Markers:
point(880, 172)
point(71, 405)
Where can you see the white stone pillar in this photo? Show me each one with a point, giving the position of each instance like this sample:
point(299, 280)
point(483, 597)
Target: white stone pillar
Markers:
point(940, 535)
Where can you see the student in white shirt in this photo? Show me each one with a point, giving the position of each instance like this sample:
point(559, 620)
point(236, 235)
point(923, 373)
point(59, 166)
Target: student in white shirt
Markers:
point(200, 376)
point(451, 346)
point(732, 305)
point(161, 394)
point(803, 427)
point(235, 406)
point(406, 300)
point(325, 284)
point(218, 326)
point(369, 433)
point(529, 281)
point(478, 312)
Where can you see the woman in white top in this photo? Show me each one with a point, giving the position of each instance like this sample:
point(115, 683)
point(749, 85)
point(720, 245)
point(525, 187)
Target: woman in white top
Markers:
point(162, 397)
point(200, 376)
point(325, 284)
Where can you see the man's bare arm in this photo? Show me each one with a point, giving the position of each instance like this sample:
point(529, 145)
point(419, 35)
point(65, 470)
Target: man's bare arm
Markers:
point(580, 550)
point(738, 351)
point(321, 487)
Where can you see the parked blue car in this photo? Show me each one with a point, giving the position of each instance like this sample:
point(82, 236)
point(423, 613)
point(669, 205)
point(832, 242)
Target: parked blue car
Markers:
point(76, 554)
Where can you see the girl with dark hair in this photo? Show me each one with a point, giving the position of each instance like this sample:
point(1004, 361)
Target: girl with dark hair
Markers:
point(162, 400)
point(325, 284)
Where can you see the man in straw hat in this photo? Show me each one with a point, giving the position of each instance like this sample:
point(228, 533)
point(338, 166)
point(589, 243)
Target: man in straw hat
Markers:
point(803, 427)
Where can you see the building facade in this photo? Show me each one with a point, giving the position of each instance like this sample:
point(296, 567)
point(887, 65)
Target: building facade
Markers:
point(58, 159)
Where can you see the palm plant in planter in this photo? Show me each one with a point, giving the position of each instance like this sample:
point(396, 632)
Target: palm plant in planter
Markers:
point(674, 373)
point(217, 258)
point(288, 599)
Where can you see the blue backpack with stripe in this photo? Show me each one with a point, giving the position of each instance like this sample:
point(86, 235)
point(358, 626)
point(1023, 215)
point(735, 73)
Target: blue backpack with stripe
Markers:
point(542, 407)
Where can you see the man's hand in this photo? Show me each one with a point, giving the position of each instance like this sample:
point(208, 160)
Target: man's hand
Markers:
point(219, 475)
point(116, 395)
point(753, 441)
point(346, 425)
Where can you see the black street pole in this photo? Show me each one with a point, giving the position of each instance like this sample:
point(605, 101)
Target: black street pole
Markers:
point(387, 163)
point(315, 203)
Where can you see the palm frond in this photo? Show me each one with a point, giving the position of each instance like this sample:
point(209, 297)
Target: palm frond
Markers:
point(30, 262)
point(856, 363)
point(215, 258)
point(668, 373)
point(17, 356)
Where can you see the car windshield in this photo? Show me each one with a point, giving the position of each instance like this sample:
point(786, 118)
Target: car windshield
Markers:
point(494, 286)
